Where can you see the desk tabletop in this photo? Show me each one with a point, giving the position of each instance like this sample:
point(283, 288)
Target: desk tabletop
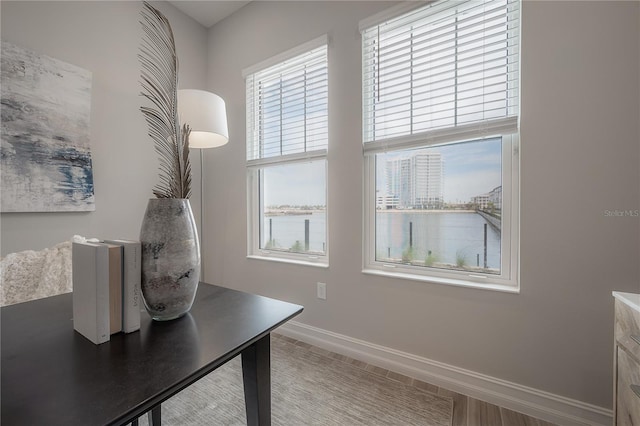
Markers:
point(52, 375)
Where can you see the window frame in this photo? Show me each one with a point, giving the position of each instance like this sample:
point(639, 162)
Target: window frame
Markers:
point(254, 214)
point(506, 281)
point(507, 128)
point(255, 207)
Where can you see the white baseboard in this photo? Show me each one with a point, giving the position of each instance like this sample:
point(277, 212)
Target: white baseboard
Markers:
point(533, 402)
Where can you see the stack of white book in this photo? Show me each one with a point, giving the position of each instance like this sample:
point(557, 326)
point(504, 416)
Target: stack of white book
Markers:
point(106, 288)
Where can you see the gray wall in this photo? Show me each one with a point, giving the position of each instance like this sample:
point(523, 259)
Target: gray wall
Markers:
point(102, 37)
point(580, 156)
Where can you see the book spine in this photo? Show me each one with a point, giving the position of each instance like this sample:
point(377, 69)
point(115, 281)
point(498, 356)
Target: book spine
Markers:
point(133, 274)
point(131, 298)
point(102, 294)
point(115, 288)
point(90, 274)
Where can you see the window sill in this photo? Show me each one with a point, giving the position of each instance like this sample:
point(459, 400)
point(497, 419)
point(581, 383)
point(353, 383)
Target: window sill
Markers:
point(446, 281)
point(290, 261)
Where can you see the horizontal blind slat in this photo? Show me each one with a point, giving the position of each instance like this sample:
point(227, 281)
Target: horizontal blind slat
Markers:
point(398, 96)
point(436, 50)
point(393, 41)
point(436, 78)
point(427, 63)
point(426, 89)
point(443, 65)
point(287, 109)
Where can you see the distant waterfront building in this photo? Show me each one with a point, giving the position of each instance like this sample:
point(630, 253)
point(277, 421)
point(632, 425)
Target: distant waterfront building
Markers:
point(386, 201)
point(416, 181)
point(480, 201)
point(495, 197)
point(491, 199)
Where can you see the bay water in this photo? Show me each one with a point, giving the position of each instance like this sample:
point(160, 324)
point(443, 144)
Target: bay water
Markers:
point(449, 236)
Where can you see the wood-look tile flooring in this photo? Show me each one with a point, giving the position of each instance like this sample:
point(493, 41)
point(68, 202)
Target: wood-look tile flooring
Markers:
point(467, 411)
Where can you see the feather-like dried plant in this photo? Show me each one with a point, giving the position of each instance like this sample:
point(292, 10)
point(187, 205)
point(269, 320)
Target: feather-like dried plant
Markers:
point(159, 83)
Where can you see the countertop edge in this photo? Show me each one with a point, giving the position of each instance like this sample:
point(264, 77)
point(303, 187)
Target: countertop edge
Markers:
point(630, 299)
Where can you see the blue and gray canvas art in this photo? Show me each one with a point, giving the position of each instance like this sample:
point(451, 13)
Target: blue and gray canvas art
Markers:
point(45, 157)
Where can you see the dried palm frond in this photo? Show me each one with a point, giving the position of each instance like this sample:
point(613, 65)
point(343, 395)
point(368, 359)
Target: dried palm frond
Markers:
point(160, 86)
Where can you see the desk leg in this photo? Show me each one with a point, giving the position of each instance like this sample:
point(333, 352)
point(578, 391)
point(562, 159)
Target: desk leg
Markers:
point(256, 374)
point(155, 416)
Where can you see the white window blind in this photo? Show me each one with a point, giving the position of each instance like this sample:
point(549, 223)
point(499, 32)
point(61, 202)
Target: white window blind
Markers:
point(287, 109)
point(440, 71)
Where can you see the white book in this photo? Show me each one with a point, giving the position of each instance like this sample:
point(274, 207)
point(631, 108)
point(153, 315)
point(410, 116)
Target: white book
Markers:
point(115, 287)
point(90, 272)
point(131, 301)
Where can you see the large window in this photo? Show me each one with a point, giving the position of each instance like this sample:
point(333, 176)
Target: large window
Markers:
point(440, 134)
point(287, 138)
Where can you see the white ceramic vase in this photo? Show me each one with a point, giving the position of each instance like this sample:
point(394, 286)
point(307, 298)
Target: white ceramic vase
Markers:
point(170, 258)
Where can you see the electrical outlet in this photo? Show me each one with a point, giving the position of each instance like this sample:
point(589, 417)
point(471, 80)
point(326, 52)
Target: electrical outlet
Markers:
point(322, 291)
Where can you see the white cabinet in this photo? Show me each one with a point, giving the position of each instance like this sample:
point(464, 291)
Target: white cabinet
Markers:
point(626, 373)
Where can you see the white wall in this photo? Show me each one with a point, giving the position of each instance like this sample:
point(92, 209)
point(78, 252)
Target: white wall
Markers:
point(580, 156)
point(102, 37)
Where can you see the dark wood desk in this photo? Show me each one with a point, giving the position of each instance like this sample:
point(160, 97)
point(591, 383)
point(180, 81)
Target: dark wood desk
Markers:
point(52, 375)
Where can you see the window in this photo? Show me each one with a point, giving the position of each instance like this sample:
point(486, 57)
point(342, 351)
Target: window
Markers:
point(287, 138)
point(440, 135)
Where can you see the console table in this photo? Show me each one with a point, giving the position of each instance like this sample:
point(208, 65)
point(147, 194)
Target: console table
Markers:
point(52, 375)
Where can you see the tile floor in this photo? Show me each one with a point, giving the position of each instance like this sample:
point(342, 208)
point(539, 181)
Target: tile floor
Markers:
point(467, 411)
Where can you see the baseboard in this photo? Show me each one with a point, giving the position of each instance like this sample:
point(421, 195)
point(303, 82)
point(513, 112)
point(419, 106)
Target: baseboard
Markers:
point(533, 402)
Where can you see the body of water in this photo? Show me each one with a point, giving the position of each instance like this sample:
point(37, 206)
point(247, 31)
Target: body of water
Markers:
point(284, 231)
point(443, 237)
point(449, 236)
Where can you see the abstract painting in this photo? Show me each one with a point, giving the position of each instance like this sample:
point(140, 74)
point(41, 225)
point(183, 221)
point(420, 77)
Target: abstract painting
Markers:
point(45, 158)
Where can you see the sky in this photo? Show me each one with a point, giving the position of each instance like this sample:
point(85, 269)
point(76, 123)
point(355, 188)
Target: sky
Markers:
point(470, 169)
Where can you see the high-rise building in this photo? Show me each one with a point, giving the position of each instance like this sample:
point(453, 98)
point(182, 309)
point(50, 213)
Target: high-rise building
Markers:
point(428, 182)
point(416, 180)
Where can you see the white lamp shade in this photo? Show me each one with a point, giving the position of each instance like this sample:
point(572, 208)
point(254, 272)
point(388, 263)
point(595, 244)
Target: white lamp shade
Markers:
point(206, 114)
